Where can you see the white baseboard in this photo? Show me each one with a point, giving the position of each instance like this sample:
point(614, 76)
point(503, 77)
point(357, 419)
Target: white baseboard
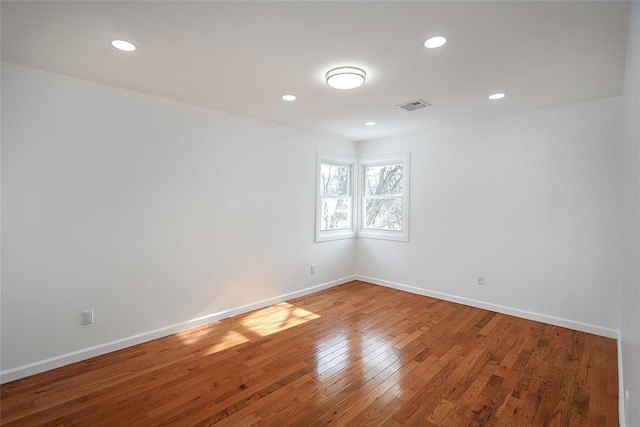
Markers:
point(544, 318)
point(622, 407)
point(98, 350)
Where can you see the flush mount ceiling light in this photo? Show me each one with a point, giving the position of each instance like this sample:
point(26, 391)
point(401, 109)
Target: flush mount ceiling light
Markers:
point(370, 123)
point(495, 96)
point(123, 45)
point(289, 97)
point(434, 42)
point(345, 77)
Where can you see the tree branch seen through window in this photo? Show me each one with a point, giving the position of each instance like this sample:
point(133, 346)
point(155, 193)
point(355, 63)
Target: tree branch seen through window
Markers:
point(383, 199)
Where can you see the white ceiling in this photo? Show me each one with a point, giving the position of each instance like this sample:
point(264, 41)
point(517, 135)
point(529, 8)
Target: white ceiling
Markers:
point(241, 57)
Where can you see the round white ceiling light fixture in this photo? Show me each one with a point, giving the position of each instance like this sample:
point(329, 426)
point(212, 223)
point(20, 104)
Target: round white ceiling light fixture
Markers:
point(370, 123)
point(123, 45)
point(346, 77)
point(496, 96)
point(289, 97)
point(435, 42)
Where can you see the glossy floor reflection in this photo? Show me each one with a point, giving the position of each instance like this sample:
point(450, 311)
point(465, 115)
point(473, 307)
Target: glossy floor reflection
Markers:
point(356, 354)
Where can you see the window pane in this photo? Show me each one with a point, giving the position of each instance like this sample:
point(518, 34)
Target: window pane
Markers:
point(334, 180)
point(383, 214)
point(335, 214)
point(383, 180)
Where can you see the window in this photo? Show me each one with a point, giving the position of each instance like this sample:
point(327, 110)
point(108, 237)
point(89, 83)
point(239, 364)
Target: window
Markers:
point(335, 206)
point(384, 207)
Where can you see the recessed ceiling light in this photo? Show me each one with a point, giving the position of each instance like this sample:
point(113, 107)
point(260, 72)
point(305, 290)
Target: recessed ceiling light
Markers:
point(123, 45)
point(345, 77)
point(435, 42)
point(370, 123)
point(495, 96)
point(289, 97)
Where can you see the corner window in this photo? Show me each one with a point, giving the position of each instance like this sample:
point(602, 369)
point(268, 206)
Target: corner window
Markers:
point(384, 207)
point(335, 205)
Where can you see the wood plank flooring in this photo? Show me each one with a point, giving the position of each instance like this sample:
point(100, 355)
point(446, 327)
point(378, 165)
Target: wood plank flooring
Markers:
point(354, 355)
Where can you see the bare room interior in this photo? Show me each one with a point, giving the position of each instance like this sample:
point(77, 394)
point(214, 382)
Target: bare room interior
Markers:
point(320, 213)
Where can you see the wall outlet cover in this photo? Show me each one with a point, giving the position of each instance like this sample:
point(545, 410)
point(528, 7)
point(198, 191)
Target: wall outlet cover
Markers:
point(87, 317)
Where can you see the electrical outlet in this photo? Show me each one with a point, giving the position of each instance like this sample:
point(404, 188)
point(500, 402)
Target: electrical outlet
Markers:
point(87, 317)
point(313, 269)
point(480, 280)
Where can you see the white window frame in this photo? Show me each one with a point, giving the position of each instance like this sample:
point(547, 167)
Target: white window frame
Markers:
point(399, 235)
point(345, 233)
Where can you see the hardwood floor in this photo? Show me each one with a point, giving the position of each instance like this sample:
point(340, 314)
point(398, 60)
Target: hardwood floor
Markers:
point(357, 354)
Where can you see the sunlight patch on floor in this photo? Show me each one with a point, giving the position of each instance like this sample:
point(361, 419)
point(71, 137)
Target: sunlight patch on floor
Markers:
point(276, 318)
point(230, 339)
point(256, 324)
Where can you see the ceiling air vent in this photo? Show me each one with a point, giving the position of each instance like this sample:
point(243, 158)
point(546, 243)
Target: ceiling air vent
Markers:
point(414, 105)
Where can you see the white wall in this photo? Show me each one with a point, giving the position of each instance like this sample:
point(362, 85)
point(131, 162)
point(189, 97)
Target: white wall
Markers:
point(532, 202)
point(630, 324)
point(128, 204)
point(149, 211)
